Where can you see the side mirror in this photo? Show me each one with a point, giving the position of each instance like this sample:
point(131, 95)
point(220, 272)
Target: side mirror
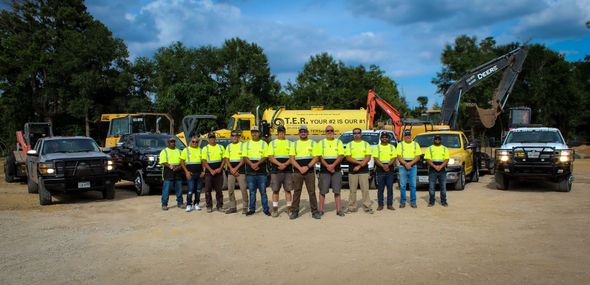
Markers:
point(32, 152)
point(106, 150)
point(471, 146)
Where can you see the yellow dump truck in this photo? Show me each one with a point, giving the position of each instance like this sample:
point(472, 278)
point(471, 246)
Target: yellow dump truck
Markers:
point(316, 119)
point(123, 124)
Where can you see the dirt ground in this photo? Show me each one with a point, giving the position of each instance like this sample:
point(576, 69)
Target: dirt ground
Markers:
point(530, 234)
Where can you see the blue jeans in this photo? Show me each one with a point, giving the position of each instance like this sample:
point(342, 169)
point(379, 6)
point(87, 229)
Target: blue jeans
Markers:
point(257, 182)
point(407, 176)
point(385, 180)
point(195, 179)
point(166, 190)
point(442, 178)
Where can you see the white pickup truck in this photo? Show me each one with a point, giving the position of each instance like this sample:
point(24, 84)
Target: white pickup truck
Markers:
point(534, 153)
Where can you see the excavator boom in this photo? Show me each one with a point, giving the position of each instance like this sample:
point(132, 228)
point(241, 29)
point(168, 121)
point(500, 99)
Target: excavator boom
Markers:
point(511, 61)
point(394, 115)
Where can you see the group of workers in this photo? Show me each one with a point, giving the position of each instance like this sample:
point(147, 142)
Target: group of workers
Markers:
point(292, 164)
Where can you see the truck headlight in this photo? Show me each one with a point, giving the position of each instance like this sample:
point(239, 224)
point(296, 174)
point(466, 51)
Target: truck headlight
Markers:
point(46, 168)
point(503, 155)
point(454, 161)
point(109, 165)
point(565, 155)
point(151, 158)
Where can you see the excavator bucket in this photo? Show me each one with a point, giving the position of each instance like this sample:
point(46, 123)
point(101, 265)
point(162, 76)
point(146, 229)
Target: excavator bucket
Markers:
point(480, 116)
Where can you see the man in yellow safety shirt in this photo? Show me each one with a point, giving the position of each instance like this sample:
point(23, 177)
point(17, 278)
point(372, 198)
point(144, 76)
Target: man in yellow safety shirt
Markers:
point(171, 173)
point(358, 154)
point(236, 172)
point(212, 158)
point(255, 158)
point(280, 169)
point(408, 154)
point(437, 157)
point(190, 159)
point(331, 154)
point(304, 156)
point(385, 156)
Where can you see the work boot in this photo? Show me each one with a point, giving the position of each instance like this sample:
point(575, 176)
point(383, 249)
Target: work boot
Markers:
point(231, 211)
point(430, 204)
point(390, 207)
point(250, 213)
point(267, 212)
point(209, 210)
point(402, 205)
point(316, 215)
point(275, 212)
point(380, 208)
point(414, 205)
point(340, 213)
point(164, 208)
point(445, 204)
point(293, 215)
point(321, 213)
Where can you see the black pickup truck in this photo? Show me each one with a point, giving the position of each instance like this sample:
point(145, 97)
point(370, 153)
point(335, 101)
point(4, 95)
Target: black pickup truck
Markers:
point(69, 164)
point(136, 158)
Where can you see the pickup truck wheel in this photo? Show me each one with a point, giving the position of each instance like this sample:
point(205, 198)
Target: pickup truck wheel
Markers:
point(141, 187)
point(44, 194)
point(32, 187)
point(502, 181)
point(565, 185)
point(108, 192)
point(460, 184)
point(9, 168)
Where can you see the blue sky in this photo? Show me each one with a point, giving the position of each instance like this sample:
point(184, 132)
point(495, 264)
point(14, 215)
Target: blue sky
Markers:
point(404, 38)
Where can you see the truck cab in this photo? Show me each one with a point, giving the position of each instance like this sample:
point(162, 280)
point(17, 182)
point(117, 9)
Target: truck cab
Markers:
point(534, 153)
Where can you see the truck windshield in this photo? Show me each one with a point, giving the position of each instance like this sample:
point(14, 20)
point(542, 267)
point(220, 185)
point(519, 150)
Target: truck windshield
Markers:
point(534, 137)
point(155, 141)
point(448, 140)
point(371, 138)
point(70, 145)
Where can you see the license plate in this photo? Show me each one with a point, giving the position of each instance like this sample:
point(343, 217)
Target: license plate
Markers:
point(423, 179)
point(85, 184)
point(534, 154)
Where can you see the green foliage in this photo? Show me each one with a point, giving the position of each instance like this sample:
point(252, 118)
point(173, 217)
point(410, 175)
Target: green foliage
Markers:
point(329, 83)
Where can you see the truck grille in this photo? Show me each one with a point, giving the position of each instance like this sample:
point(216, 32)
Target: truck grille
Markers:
point(534, 155)
point(80, 167)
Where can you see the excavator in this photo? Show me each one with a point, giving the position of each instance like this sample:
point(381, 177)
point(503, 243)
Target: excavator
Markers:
point(512, 64)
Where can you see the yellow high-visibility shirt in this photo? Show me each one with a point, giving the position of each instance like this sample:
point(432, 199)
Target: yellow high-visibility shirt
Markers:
point(358, 150)
point(408, 151)
point(385, 153)
point(170, 156)
point(437, 153)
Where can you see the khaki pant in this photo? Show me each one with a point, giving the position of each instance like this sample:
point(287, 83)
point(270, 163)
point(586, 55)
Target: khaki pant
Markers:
point(231, 185)
point(309, 180)
point(354, 180)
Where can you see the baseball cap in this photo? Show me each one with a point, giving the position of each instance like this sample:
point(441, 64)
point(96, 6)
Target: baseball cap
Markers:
point(303, 128)
point(384, 134)
point(254, 129)
point(235, 133)
point(281, 129)
point(211, 135)
point(437, 136)
point(407, 133)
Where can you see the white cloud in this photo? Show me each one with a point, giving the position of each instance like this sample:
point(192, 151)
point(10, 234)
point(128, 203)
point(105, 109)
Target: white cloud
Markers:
point(561, 19)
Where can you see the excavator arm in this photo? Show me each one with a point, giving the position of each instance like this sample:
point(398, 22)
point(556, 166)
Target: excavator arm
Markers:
point(512, 63)
point(394, 115)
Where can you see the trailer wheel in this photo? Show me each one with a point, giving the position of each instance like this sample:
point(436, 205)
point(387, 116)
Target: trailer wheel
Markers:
point(9, 168)
point(44, 194)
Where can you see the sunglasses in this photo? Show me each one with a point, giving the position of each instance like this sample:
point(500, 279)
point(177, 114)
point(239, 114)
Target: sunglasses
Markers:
point(194, 141)
point(171, 141)
point(235, 135)
point(329, 131)
point(356, 133)
point(302, 131)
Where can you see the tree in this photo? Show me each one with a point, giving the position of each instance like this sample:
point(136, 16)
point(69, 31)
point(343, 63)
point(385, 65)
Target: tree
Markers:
point(56, 60)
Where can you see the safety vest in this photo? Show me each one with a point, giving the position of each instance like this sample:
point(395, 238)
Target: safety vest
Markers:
point(212, 154)
point(331, 149)
point(407, 153)
point(233, 152)
point(304, 149)
point(437, 153)
point(280, 148)
point(170, 156)
point(384, 153)
point(255, 150)
point(191, 155)
point(358, 150)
